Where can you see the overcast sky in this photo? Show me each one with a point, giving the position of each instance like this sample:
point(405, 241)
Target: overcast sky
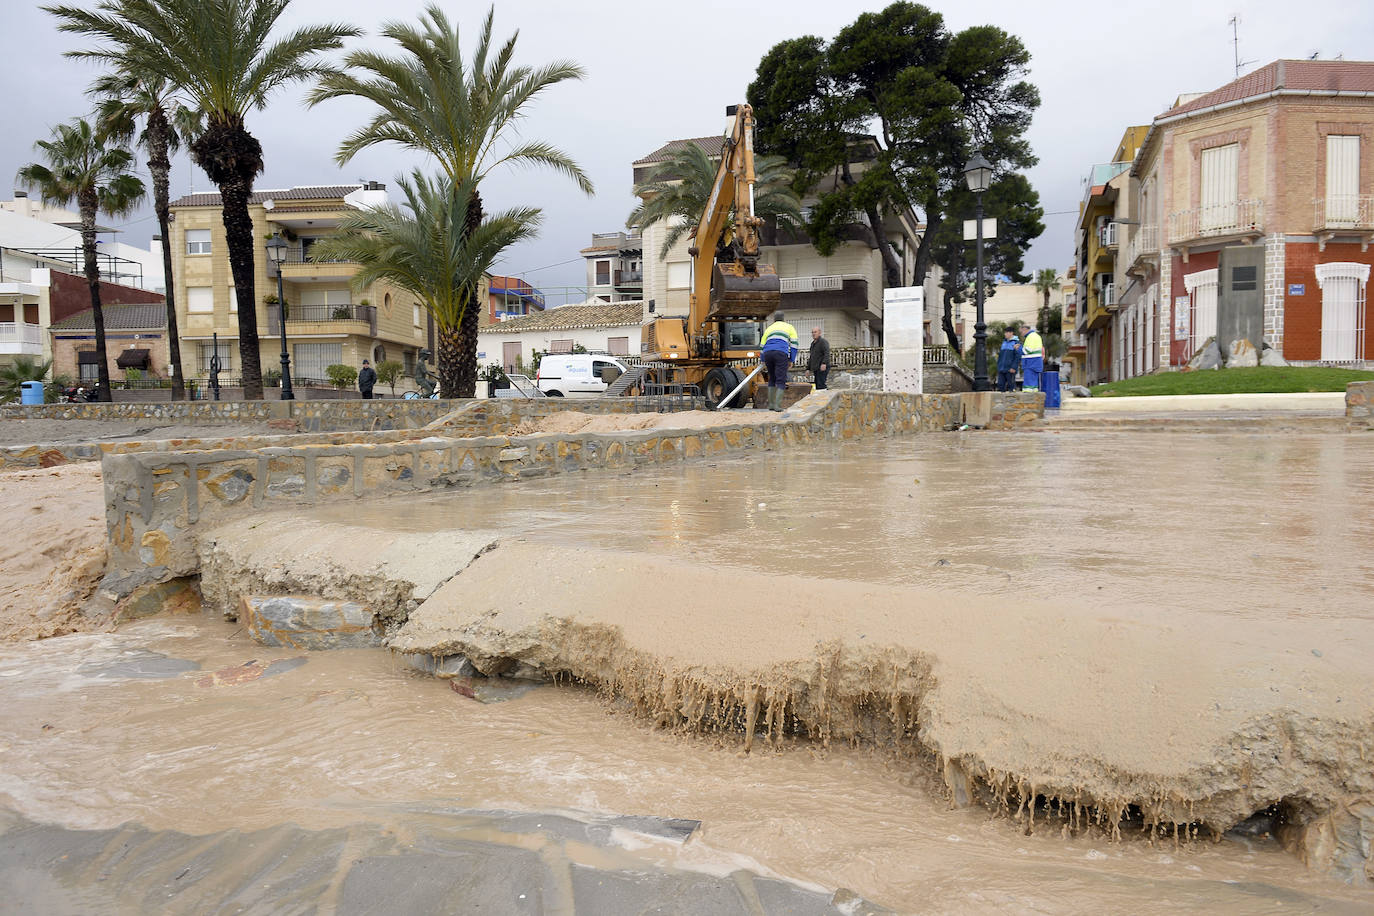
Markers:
point(658, 71)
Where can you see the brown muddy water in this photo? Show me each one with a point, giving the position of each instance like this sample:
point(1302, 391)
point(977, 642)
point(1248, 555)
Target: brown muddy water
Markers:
point(108, 729)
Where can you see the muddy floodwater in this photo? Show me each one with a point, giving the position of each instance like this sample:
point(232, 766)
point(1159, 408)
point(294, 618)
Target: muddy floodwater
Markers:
point(184, 725)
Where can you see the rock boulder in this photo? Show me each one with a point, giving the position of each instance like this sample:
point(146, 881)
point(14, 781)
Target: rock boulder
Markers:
point(1242, 355)
point(1208, 356)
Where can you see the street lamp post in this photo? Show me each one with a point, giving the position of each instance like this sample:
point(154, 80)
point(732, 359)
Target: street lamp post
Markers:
point(978, 174)
point(276, 253)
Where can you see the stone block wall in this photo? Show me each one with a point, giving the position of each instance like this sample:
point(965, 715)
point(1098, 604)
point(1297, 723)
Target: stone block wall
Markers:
point(1359, 403)
point(155, 501)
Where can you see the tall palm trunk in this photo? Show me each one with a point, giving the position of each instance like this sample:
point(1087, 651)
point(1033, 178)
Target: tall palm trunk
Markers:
point(232, 158)
point(160, 167)
point(89, 204)
point(450, 357)
point(465, 374)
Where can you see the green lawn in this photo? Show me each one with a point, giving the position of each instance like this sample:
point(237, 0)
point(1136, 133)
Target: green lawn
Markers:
point(1235, 381)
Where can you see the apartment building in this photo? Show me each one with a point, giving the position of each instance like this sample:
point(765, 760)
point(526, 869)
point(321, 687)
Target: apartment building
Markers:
point(327, 320)
point(1248, 212)
point(508, 298)
point(842, 293)
point(615, 267)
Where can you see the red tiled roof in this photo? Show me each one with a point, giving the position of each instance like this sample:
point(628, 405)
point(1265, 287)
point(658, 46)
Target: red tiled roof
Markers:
point(569, 317)
point(308, 192)
point(673, 147)
point(136, 316)
point(1292, 75)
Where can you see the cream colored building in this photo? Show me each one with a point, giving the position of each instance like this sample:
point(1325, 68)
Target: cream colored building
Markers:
point(841, 293)
point(327, 320)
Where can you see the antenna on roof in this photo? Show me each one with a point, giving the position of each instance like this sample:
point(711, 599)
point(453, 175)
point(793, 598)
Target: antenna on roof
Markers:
point(1235, 40)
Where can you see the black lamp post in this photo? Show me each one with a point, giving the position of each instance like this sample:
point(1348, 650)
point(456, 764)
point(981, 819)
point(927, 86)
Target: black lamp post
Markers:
point(978, 174)
point(276, 253)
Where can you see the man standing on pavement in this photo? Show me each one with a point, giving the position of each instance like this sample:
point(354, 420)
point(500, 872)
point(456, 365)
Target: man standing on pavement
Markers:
point(1032, 358)
point(1008, 358)
point(367, 377)
point(818, 360)
point(779, 349)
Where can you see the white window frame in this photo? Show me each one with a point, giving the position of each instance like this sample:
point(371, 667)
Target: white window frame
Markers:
point(596, 270)
point(1343, 306)
point(200, 300)
point(416, 318)
point(679, 275)
point(198, 241)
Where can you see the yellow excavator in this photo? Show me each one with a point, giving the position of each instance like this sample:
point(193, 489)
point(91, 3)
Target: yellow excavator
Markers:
point(732, 293)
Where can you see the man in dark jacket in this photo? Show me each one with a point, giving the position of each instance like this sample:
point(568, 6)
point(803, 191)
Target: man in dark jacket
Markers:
point(1008, 360)
point(818, 360)
point(367, 377)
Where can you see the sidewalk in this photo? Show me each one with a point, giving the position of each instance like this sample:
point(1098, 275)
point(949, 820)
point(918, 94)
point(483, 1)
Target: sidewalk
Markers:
point(1321, 410)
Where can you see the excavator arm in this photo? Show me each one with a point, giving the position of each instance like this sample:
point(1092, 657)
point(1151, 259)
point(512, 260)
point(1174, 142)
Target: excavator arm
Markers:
point(727, 280)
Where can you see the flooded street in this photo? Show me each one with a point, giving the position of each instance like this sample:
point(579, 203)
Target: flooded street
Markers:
point(166, 726)
point(136, 727)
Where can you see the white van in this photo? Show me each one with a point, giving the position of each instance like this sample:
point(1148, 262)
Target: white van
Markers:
point(577, 375)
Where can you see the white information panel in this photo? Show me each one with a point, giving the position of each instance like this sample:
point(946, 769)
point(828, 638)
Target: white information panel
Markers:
point(904, 339)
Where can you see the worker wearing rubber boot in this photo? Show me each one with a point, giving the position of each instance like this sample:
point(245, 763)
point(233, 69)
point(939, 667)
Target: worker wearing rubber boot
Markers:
point(1032, 359)
point(779, 350)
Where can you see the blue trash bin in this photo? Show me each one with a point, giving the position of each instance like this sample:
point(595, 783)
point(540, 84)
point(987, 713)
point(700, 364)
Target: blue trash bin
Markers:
point(31, 393)
point(1049, 381)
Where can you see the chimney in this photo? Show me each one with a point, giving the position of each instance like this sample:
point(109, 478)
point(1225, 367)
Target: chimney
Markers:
point(20, 195)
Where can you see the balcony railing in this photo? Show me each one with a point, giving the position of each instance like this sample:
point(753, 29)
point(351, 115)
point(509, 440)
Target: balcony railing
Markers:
point(303, 314)
point(1241, 217)
point(21, 332)
point(629, 278)
point(1144, 243)
point(299, 255)
point(1346, 211)
point(1109, 295)
point(811, 284)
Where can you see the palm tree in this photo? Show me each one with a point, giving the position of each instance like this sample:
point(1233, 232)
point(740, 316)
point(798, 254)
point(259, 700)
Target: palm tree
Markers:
point(23, 369)
point(430, 247)
point(125, 100)
point(431, 100)
point(677, 192)
point(220, 55)
point(1046, 281)
point(85, 166)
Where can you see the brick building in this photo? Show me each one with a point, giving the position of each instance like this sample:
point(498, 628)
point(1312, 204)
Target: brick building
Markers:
point(1249, 211)
point(135, 339)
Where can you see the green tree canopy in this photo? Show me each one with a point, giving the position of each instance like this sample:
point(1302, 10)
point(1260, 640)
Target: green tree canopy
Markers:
point(929, 96)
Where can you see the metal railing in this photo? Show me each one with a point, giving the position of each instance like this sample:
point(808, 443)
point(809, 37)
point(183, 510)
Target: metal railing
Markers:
point(1144, 243)
point(299, 255)
point(813, 284)
point(301, 314)
point(1344, 211)
point(629, 277)
point(20, 332)
point(112, 268)
point(1234, 218)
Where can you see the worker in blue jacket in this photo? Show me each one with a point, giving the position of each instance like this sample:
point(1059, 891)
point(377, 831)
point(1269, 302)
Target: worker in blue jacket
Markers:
point(1008, 361)
point(779, 352)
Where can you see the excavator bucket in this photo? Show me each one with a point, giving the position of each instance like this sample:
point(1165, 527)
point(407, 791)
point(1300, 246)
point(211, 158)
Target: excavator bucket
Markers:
point(739, 295)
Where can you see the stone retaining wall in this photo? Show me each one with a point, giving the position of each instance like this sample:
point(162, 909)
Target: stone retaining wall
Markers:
point(1359, 402)
point(312, 416)
point(155, 501)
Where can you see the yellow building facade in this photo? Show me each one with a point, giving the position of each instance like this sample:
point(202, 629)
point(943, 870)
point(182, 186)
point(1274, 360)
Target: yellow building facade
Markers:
point(328, 321)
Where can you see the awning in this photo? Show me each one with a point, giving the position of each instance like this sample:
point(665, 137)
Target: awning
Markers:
point(87, 358)
point(133, 359)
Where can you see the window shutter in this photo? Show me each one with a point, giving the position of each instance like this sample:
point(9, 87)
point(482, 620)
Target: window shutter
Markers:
point(1220, 186)
point(1342, 178)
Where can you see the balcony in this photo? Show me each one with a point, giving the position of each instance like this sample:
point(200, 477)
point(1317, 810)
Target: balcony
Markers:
point(1109, 296)
point(1345, 214)
point(299, 265)
point(629, 279)
point(1107, 235)
point(846, 291)
point(1235, 220)
point(324, 319)
point(19, 338)
point(1144, 246)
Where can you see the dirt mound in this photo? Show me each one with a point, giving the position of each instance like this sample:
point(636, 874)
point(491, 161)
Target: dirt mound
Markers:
point(54, 554)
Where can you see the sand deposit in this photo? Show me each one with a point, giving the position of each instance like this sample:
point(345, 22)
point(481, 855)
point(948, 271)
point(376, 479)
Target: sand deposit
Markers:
point(571, 421)
point(54, 553)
